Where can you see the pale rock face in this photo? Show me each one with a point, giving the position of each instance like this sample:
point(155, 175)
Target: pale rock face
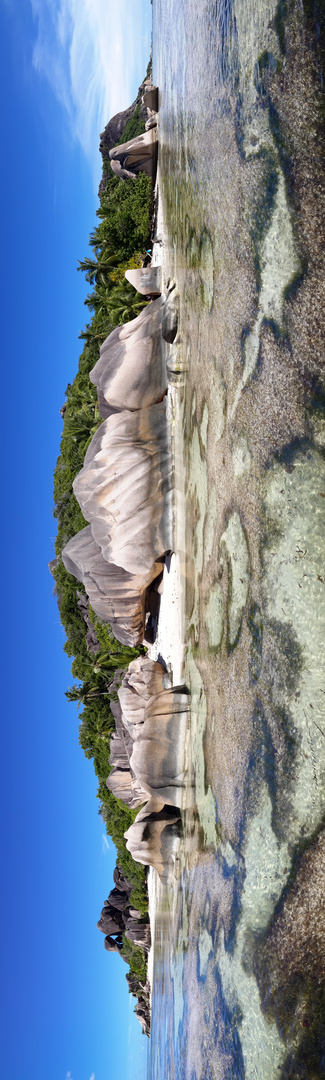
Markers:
point(124, 785)
point(119, 782)
point(142, 680)
point(137, 155)
point(156, 721)
point(158, 757)
point(150, 98)
point(153, 839)
point(131, 370)
point(146, 280)
point(125, 489)
point(116, 596)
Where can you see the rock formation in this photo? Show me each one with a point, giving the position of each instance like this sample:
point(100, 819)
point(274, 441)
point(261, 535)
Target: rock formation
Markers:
point(124, 489)
point(150, 97)
point(149, 759)
point(92, 642)
point(118, 917)
point(122, 781)
point(137, 155)
point(153, 839)
point(142, 680)
point(116, 126)
point(158, 757)
point(146, 280)
point(116, 596)
point(125, 486)
point(156, 723)
point(131, 370)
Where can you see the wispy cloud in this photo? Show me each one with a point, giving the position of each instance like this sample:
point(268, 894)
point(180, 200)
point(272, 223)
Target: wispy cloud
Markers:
point(92, 1077)
point(93, 53)
point(105, 848)
point(68, 1076)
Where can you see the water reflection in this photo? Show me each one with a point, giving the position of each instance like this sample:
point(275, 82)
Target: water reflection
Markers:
point(239, 978)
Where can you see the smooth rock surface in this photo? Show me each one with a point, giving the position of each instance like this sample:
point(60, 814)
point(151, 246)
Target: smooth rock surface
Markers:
point(115, 595)
point(125, 489)
point(137, 155)
point(159, 750)
point(150, 98)
point(131, 370)
point(142, 680)
point(146, 280)
point(153, 839)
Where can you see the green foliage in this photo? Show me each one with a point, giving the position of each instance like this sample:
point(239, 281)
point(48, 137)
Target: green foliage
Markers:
point(135, 126)
point(136, 959)
point(118, 242)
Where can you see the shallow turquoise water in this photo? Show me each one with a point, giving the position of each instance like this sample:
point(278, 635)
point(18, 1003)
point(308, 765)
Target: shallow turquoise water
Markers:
point(239, 975)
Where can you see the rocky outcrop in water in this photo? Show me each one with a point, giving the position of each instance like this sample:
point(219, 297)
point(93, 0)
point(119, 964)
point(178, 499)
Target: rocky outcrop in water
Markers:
point(118, 917)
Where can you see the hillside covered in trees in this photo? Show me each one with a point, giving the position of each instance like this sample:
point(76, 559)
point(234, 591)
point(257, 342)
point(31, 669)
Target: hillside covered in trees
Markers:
point(118, 242)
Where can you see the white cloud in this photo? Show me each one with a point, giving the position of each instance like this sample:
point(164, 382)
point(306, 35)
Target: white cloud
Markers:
point(94, 54)
point(92, 1077)
point(68, 1076)
point(105, 848)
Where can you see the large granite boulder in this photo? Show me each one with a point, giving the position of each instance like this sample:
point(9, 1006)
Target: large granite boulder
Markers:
point(117, 899)
point(156, 721)
point(119, 757)
point(150, 97)
point(121, 780)
point(116, 596)
point(124, 785)
point(141, 682)
point(138, 934)
point(110, 921)
point(125, 490)
point(114, 944)
point(137, 155)
point(159, 755)
point(131, 370)
point(146, 280)
point(120, 881)
point(153, 839)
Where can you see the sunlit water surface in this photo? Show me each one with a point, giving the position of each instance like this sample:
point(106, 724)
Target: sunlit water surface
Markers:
point(239, 947)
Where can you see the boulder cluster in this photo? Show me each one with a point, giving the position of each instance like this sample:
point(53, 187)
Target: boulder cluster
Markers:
point(125, 493)
point(118, 917)
point(148, 759)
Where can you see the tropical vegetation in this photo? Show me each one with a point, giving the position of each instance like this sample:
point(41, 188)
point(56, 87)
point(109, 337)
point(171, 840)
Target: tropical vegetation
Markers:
point(118, 242)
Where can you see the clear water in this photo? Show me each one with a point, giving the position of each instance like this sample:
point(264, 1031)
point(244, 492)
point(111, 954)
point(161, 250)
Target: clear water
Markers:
point(239, 956)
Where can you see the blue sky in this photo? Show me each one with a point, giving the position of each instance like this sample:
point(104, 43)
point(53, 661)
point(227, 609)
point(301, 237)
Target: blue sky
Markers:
point(66, 67)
